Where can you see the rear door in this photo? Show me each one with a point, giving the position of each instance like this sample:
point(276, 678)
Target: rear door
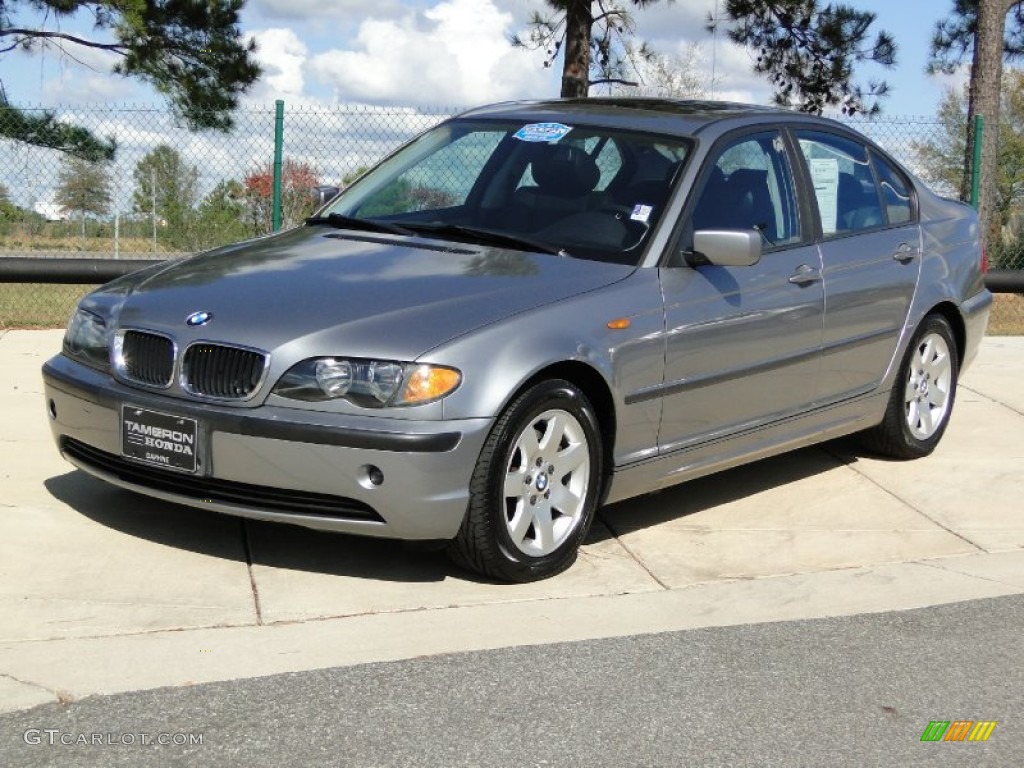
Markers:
point(870, 246)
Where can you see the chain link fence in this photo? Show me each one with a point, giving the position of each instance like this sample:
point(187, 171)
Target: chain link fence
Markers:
point(169, 192)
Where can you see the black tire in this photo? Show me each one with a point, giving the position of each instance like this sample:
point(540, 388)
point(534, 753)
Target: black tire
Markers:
point(524, 535)
point(922, 396)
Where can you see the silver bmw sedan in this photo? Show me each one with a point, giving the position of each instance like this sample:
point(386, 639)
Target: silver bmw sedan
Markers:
point(528, 311)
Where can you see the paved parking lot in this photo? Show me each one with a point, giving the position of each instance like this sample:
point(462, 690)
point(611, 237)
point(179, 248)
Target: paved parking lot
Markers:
point(102, 590)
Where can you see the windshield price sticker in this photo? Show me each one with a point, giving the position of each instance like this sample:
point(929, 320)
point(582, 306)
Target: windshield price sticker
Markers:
point(545, 133)
point(158, 438)
point(641, 213)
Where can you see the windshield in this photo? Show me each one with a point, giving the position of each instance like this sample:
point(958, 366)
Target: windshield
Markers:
point(583, 191)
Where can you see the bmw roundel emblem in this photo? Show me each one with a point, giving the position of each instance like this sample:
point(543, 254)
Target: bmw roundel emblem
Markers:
point(198, 318)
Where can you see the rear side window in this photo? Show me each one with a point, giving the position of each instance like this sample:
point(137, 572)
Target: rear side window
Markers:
point(895, 191)
point(844, 186)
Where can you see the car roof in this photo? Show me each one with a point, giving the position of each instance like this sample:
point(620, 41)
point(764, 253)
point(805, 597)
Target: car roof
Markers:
point(670, 116)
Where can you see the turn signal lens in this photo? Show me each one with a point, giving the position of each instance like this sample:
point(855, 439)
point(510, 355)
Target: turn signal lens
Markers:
point(425, 383)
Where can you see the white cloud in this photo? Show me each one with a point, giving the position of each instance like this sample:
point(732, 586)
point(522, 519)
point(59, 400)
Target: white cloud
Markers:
point(78, 86)
point(956, 81)
point(670, 27)
point(67, 74)
point(95, 59)
point(735, 77)
point(282, 55)
point(456, 52)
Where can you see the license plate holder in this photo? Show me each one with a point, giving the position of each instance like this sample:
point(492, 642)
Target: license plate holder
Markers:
point(159, 439)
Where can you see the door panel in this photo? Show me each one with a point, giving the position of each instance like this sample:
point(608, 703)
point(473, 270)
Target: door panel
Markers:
point(743, 343)
point(867, 295)
point(871, 259)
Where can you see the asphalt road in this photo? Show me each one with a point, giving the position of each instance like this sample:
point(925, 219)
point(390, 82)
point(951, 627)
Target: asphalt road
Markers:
point(856, 691)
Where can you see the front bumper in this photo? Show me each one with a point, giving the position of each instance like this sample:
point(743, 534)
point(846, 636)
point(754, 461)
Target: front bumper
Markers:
point(308, 468)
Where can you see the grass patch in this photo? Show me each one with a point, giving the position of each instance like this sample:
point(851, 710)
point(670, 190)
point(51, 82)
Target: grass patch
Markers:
point(38, 305)
point(1007, 318)
point(71, 243)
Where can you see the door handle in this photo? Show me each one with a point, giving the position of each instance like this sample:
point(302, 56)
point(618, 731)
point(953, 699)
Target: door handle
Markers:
point(805, 275)
point(906, 252)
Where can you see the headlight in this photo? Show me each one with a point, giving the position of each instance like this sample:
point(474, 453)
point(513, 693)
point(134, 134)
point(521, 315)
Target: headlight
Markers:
point(369, 383)
point(87, 339)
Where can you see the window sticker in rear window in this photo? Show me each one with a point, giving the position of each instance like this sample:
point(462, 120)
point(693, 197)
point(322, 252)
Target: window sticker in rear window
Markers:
point(825, 175)
point(546, 133)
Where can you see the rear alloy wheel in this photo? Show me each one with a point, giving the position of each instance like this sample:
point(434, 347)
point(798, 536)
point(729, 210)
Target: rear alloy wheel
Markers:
point(922, 398)
point(535, 487)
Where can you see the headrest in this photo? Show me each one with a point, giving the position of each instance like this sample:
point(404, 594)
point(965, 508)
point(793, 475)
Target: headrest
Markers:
point(564, 170)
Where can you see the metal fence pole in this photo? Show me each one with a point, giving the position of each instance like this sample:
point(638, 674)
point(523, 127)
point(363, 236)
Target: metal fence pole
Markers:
point(278, 152)
point(152, 196)
point(979, 129)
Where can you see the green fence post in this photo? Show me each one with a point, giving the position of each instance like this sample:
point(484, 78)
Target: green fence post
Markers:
point(278, 152)
point(979, 130)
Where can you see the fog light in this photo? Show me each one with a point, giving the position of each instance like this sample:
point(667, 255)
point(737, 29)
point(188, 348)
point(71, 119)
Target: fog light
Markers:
point(370, 476)
point(375, 475)
point(53, 409)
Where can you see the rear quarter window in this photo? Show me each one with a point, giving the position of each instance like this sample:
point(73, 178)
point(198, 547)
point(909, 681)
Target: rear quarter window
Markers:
point(896, 194)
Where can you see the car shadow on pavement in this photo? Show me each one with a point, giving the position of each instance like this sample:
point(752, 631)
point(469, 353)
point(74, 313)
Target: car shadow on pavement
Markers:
point(711, 491)
point(290, 547)
point(152, 519)
point(271, 545)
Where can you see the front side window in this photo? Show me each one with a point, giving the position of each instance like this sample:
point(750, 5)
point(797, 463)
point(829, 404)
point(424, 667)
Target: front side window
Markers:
point(750, 186)
point(844, 186)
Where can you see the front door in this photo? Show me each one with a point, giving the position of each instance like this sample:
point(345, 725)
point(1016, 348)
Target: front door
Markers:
point(743, 343)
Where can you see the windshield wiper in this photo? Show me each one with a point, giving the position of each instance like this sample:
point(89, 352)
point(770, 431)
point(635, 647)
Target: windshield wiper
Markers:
point(341, 221)
point(485, 237)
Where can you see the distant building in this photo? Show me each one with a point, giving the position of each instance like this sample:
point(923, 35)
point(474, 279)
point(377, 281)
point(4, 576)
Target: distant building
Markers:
point(50, 211)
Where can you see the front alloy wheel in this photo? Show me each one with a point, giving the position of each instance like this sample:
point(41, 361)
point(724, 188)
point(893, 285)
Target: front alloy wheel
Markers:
point(535, 487)
point(546, 483)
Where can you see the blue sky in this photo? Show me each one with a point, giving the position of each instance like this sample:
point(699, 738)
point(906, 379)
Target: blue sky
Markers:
point(454, 53)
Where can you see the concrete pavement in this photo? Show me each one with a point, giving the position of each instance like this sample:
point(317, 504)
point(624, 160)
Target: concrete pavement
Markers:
point(104, 591)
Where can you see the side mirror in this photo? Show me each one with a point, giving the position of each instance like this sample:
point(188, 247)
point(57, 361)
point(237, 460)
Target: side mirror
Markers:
point(324, 194)
point(727, 247)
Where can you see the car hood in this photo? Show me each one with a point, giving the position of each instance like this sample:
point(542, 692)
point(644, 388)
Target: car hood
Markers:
point(323, 291)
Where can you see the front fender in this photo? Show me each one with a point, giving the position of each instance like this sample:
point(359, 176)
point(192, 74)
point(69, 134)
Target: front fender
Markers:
point(498, 360)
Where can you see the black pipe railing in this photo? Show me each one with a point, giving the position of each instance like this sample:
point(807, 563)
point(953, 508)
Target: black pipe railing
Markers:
point(68, 271)
point(1005, 280)
point(89, 271)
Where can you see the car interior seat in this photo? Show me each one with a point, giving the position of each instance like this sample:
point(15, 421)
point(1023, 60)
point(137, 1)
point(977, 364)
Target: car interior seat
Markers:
point(748, 191)
point(858, 206)
point(564, 176)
